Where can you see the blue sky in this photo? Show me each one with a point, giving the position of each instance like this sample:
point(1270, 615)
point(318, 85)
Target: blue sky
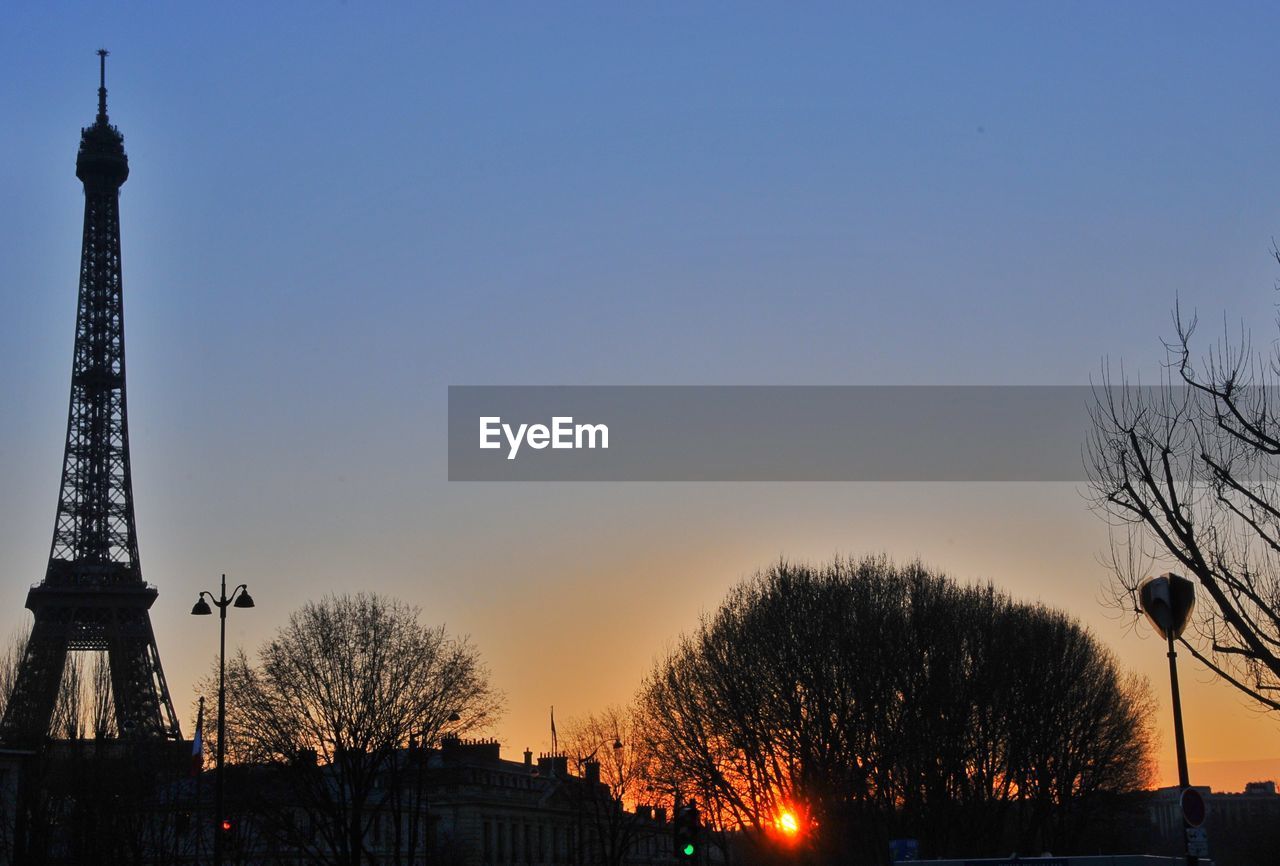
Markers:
point(337, 210)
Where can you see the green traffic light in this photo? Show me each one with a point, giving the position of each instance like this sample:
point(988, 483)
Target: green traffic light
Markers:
point(688, 849)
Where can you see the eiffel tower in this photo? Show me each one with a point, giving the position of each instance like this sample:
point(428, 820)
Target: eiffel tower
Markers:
point(93, 596)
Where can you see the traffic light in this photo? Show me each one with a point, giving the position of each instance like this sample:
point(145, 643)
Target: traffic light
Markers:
point(688, 826)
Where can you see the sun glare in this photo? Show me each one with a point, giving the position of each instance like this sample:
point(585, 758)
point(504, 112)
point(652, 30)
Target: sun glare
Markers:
point(788, 824)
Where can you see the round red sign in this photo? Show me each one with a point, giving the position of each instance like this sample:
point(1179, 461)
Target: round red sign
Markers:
point(1192, 807)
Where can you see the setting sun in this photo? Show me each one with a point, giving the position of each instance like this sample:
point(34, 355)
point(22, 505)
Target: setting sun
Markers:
point(787, 823)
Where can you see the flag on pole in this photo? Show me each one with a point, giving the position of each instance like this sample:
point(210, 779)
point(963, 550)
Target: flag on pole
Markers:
point(555, 749)
point(197, 743)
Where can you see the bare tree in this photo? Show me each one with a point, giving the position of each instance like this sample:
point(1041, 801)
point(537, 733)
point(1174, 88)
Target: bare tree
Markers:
point(331, 707)
point(10, 662)
point(867, 701)
point(86, 794)
point(1188, 472)
point(84, 706)
point(611, 742)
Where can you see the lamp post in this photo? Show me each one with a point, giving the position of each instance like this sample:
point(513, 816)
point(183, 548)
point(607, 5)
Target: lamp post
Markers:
point(581, 786)
point(1167, 601)
point(424, 745)
point(239, 598)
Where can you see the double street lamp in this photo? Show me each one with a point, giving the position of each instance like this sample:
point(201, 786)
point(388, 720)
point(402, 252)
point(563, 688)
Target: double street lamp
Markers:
point(239, 598)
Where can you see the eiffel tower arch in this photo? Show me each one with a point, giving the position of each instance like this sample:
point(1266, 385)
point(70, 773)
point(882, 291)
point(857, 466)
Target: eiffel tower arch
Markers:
point(93, 596)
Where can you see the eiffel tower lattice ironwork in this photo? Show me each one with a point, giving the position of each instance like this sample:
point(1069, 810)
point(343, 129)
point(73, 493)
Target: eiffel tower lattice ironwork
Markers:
point(93, 596)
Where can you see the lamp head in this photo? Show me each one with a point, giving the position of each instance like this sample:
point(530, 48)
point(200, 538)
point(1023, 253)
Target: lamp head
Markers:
point(1167, 601)
point(243, 599)
point(201, 607)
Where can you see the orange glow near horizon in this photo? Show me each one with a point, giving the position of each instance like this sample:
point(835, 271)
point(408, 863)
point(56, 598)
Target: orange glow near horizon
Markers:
point(788, 824)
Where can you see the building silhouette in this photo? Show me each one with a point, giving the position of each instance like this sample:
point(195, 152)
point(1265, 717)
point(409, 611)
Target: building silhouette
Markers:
point(457, 804)
point(1243, 827)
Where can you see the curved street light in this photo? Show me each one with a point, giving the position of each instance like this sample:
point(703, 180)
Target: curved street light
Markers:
point(579, 785)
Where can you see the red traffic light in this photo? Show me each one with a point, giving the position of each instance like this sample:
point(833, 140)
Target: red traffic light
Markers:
point(225, 825)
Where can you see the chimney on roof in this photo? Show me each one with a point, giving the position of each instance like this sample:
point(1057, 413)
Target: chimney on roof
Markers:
point(555, 766)
point(528, 757)
point(591, 770)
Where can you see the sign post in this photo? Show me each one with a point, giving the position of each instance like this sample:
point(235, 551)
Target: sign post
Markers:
point(1193, 815)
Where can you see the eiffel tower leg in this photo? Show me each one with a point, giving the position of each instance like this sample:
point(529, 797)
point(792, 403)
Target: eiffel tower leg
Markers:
point(35, 692)
point(143, 706)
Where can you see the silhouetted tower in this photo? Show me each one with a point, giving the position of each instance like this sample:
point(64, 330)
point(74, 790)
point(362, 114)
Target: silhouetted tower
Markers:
point(93, 596)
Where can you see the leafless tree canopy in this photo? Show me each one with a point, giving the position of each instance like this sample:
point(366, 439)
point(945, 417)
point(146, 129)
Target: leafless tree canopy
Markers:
point(89, 796)
point(336, 699)
point(84, 708)
point(1188, 473)
point(874, 701)
point(614, 741)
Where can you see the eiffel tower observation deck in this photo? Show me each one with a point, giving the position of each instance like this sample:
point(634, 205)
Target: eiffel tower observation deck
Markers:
point(93, 597)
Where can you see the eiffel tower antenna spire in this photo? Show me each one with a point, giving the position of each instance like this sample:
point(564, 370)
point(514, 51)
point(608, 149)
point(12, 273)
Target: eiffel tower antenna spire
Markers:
point(93, 597)
point(102, 85)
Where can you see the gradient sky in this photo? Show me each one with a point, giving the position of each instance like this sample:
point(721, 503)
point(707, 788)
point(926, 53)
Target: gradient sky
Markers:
point(335, 211)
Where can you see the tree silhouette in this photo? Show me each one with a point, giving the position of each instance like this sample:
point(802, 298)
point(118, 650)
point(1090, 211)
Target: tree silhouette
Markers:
point(612, 741)
point(1189, 470)
point(871, 701)
point(334, 714)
